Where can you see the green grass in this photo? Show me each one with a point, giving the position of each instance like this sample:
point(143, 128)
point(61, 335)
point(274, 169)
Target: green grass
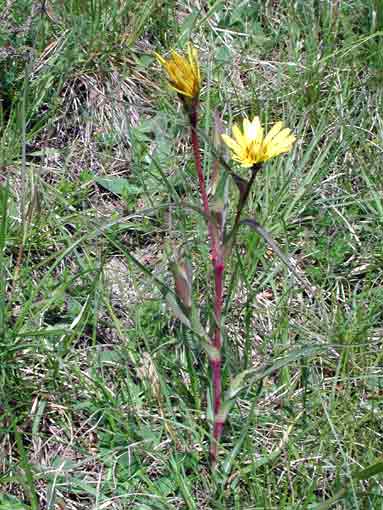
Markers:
point(104, 395)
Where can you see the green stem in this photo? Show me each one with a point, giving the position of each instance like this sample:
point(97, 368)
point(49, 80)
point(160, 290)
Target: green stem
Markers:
point(230, 240)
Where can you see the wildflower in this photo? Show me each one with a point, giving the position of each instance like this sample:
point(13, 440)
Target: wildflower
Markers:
point(250, 147)
point(183, 73)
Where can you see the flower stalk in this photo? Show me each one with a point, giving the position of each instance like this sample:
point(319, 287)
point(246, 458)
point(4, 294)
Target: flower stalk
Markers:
point(250, 148)
point(217, 259)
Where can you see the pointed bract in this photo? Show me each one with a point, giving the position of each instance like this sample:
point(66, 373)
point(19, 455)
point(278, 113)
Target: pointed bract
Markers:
point(184, 74)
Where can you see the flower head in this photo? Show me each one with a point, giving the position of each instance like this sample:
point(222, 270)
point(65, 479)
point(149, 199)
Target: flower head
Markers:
point(250, 146)
point(183, 72)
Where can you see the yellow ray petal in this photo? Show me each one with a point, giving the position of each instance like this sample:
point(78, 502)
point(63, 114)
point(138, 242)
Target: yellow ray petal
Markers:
point(273, 131)
point(253, 130)
point(232, 144)
point(238, 135)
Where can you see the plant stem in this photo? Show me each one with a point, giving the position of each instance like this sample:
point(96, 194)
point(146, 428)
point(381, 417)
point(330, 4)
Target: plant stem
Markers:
point(217, 259)
point(229, 242)
point(198, 163)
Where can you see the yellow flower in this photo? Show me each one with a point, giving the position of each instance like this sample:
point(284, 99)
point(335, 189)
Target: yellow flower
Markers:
point(183, 73)
point(250, 146)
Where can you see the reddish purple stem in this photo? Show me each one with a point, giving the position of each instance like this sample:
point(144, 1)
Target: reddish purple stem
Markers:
point(218, 267)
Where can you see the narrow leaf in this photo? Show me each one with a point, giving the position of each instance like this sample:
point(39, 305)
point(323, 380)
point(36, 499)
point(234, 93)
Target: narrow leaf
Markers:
point(285, 258)
point(369, 471)
point(250, 376)
point(171, 301)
